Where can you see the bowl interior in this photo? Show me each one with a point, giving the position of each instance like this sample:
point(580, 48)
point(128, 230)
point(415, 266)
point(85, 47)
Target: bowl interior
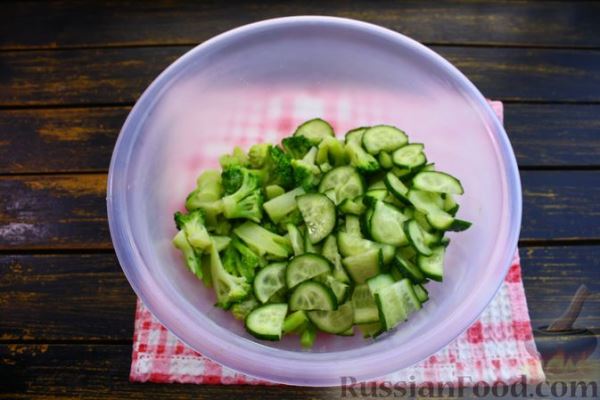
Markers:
point(255, 84)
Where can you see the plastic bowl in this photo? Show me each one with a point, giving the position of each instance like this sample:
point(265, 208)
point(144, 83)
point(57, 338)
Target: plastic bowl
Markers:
point(184, 111)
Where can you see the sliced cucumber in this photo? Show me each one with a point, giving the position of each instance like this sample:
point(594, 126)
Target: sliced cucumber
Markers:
point(340, 289)
point(269, 280)
point(364, 266)
point(433, 265)
point(280, 206)
point(410, 156)
point(350, 245)
point(371, 330)
point(363, 302)
point(440, 220)
point(304, 267)
point(379, 282)
point(459, 225)
point(353, 225)
point(372, 196)
point(386, 225)
point(318, 212)
point(383, 138)
point(385, 160)
point(308, 336)
point(378, 184)
point(295, 322)
point(315, 130)
point(330, 252)
point(266, 322)
point(312, 295)
point(416, 237)
point(396, 302)
point(336, 322)
point(421, 293)
point(450, 205)
point(345, 181)
point(347, 332)
point(396, 187)
point(421, 219)
point(296, 239)
point(438, 182)
point(409, 270)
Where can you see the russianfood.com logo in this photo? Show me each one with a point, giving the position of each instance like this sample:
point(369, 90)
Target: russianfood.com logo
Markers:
point(351, 388)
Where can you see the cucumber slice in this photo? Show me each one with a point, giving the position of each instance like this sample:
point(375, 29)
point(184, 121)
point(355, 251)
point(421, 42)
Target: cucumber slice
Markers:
point(438, 182)
point(433, 265)
point(347, 332)
point(266, 322)
point(378, 184)
point(395, 303)
point(315, 130)
point(421, 219)
point(372, 196)
point(416, 237)
point(450, 205)
point(363, 303)
point(355, 135)
point(353, 225)
point(295, 322)
point(409, 270)
point(336, 322)
point(296, 239)
point(351, 245)
point(371, 330)
point(280, 206)
point(459, 225)
point(440, 220)
point(364, 266)
point(421, 293)
point(383, 138)
point(318, 212)
point(352, 206)
point(429, 204)
point(308, 336)
point(386, 225)
point(312, 295)
point(379, 282)
point(330, 252)
point(410, 156)
point(385, 160)
point(305, 267)
point(396, 188)
point(345, 181)
point(269, 280)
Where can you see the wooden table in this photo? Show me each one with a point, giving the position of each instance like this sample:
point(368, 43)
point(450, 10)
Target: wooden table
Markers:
point(69, 73)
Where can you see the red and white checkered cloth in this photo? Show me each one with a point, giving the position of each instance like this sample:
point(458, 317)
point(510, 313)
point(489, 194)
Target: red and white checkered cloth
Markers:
point(499, 347)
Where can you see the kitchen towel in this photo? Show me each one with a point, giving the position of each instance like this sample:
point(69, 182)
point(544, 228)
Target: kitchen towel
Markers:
point(498, 347)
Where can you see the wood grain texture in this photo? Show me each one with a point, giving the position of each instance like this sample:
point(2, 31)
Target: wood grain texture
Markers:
point(109, 76)
point(68, 24)
point(68, 211)
point(63, 140)
point(79, 297)
point(82, 139)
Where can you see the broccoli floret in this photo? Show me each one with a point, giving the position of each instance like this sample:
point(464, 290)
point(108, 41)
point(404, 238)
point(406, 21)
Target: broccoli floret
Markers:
point(192, 224)
point(229, 288)
point(242, 309)
point(263, 241)
point(296, 146)
point(331, 151)
point(192, 259)
point(306, 173)
point(248, 261)
point(246, 201)
point(360, 159)
point(208, 189)
point(232, 178)
point(222, 226)
point(258, 155)
point(237, 158)
point(229, 258)
point(280, 169)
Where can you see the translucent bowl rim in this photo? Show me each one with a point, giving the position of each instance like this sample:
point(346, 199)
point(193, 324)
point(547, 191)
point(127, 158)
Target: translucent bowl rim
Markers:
point(228, 350)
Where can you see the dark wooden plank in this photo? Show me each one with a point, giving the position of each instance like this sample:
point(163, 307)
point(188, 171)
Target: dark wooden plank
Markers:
point(109, 76)
point(64, 140)
point(85, 297)
point(59, 212)
point(66, 24)
point(560, 205)
point(82, 139)
point(554, 134)
point(100, 371)
point(64, 297)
